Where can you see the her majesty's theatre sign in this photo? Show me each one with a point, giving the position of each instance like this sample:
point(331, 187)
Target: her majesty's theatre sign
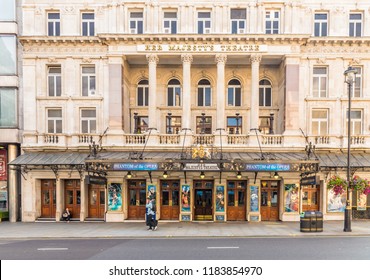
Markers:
point(202, 48)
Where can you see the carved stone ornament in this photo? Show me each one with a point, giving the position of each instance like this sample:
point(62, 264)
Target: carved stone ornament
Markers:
point(321, 60)
point(355, 61)
point(339, 10)
point(143, 74)
point(38, 11)
point(255, 58)
point(86, 60)
point(52, 60)
point(221, 58)
point(187, 58)
point(152, 58)
point(173, 72)
point(69, 10)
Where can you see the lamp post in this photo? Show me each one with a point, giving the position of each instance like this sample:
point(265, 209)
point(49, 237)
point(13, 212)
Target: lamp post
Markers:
point(237, 123)
point(169, 123)
point(203, 123)
point(135, 123)
point(350, 79)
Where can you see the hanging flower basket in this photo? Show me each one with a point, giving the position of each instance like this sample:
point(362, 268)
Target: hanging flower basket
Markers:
point(337, 184)
point(360, 185)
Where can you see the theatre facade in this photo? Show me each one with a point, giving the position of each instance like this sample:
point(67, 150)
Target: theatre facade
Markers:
point(222, 111)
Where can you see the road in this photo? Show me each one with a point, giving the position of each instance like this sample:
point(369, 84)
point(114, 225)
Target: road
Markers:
point(292, 248)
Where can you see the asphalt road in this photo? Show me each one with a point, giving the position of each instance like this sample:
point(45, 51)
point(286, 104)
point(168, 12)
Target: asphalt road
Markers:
point(292, 248)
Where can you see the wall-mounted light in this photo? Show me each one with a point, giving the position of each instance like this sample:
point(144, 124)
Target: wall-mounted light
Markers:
point(129, 175)
point(276, 175)
point(165, 175)
point(202, 175)
point(239, 175)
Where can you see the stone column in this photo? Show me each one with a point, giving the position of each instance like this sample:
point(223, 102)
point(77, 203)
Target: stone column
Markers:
point(221, 61)
point(115, 94)
point(255, 60)
point(59, 199)
point(287, 18)
point(84, 200)
point(152, 108)
point(260, 19)
point(13, 185)
point(186, 59)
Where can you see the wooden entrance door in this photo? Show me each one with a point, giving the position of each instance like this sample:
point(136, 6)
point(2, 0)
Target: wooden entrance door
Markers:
point(96, 201)
point(170, 200)
point(310, 198)
point(136, 199)
point(203, 207)
point(72, 197)
point(270, 200)
point(48, 198)
point(236, 200)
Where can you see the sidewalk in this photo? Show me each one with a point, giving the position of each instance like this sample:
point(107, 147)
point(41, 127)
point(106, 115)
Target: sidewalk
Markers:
point(173, 229)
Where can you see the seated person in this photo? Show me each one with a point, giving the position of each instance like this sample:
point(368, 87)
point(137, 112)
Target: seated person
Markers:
point(66, 216)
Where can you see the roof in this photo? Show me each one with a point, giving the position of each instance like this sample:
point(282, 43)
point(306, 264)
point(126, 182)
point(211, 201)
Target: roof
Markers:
point(50, 159)
point(333, 160)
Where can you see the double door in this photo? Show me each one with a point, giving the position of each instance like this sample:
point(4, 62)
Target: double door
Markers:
point(72, 197)
point(270, 200)
point(236, 200)
point(96, 201)
point(310, 198)
point(48, 198)
point(170, 200)
point(203, 206)
point(136, 199)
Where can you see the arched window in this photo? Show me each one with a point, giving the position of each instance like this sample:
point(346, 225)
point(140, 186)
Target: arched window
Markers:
point(204, 93)
point(265, 93)
point(234, 93)
point(143, 93)
point(174, 93)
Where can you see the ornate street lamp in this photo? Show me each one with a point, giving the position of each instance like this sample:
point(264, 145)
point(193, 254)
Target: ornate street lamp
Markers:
point(135, 122)
point(237, 123)
point(350, 79)
point(169, 122)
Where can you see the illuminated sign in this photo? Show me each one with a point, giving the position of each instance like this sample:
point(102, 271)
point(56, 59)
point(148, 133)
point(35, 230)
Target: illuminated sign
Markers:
point(269, 167)
point(135, 166)
point(201, 166)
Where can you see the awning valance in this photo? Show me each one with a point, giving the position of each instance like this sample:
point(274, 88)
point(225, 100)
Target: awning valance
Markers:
point(47, 159)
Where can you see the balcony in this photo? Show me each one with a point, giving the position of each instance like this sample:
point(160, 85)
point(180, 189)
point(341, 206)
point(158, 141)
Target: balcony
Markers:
point(157, 141)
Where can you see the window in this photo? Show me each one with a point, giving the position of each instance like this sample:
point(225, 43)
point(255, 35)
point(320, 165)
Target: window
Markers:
point(356, 122)
point(7, 11)
point(238, 21)
point(234, 93)
point(174, 93)
point(141, 124)
point(204, 93)
point(173, 124)
point(54, 121)
point(8, 55)
point(321, 24)
point(234, 125)
point(88, 121)
point(355, 25)
point(319, 88)
point(53, 24)
point(265, 93)
point(8, 107)
point(136, 23)
point(88, 24)
point(204, 125)
point(204, 22)
point(265, 125)
point(55, 81)
point(170, 23)
point(320, 122)
point(143, 93)
point(272, 22)
point(357, 92)
point(88, 81)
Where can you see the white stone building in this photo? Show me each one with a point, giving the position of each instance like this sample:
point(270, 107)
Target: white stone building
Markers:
point(215, 105)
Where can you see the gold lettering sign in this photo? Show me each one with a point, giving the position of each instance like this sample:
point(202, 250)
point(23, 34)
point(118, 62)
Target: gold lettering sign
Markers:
point(202, 48)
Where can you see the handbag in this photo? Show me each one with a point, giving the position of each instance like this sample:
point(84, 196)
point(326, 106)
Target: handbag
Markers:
point(65, 215)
